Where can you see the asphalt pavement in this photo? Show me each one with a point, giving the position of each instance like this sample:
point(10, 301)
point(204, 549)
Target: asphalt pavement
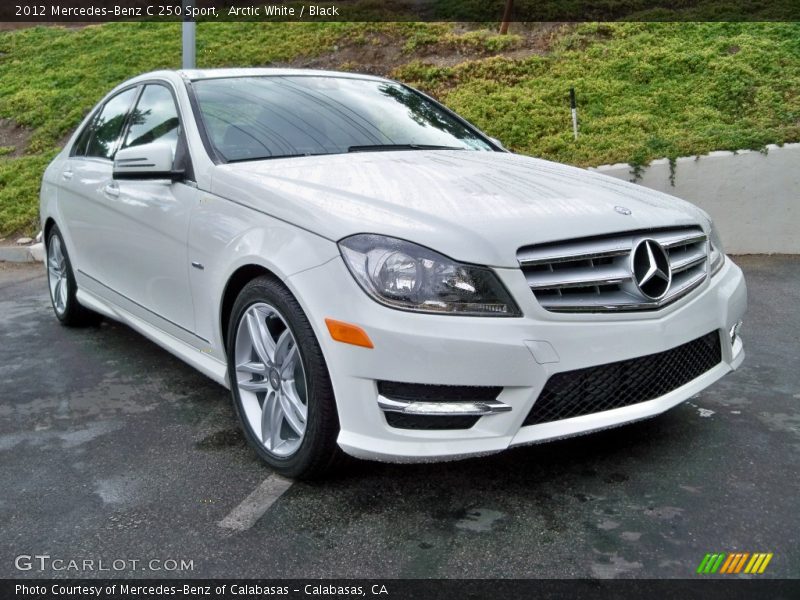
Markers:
point(113, 450)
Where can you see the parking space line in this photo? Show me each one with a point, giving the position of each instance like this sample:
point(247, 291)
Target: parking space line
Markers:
point(252, 508)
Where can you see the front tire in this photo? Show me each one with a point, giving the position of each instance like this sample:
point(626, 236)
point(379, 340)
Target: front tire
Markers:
point(280, 383)
point(62, 286)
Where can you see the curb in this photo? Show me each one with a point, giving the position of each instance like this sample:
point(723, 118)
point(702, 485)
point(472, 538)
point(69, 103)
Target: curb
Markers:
point(22, 254)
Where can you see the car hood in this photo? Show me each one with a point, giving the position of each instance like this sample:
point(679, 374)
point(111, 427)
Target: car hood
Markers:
point(477, 207)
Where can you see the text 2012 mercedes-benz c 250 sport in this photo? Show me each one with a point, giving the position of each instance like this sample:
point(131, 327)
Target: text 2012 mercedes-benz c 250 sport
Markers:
point(371, 275)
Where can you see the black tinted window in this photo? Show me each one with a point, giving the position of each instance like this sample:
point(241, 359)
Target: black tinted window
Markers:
point(79, 148)
point(155, 118)
point(108, 126)
point(268, 117)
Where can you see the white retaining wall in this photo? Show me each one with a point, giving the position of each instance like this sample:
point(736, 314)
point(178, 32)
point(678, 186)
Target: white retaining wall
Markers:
point(754, 198)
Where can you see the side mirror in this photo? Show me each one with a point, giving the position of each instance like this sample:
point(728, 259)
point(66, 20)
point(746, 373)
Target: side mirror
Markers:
point(497, 143)
point(148, 161)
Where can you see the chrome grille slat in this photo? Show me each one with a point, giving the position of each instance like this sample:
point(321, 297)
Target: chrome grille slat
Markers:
point(679, 288)
point(681, 264)
point(681, 239)
point(588, 256)
point(603, 275)
point(619, 302)
point(594, 274)
point(576, 250)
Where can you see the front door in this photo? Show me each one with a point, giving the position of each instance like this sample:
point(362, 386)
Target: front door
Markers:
point(130, 236)
point(150, 220)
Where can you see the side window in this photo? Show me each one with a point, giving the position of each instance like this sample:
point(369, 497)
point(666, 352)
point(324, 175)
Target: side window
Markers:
point(108, 125)
point(155, 119)
point(79, 148)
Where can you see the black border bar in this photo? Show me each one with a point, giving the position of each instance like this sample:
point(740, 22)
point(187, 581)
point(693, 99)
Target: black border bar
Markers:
point(491, 11)
point(702, 587)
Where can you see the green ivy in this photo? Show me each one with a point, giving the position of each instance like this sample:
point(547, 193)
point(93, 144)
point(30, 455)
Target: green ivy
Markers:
point(645, 90)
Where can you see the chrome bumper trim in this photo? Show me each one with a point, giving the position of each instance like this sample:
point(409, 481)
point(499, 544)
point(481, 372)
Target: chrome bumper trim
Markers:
point(449, 409)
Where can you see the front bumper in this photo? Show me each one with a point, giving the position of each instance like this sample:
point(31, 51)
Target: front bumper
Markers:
point(517, 354)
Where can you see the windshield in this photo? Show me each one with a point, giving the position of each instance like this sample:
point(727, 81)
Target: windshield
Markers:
point(254, 118)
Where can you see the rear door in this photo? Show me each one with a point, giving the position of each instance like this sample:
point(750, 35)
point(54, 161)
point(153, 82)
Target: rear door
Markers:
point(82, 198)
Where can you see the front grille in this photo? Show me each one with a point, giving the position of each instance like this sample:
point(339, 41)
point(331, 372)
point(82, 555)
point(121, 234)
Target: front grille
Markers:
point(595, 274)
point(614, 385)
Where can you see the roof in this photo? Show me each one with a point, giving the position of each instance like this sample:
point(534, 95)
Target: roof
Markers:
point(175, 76)
point(197, 74)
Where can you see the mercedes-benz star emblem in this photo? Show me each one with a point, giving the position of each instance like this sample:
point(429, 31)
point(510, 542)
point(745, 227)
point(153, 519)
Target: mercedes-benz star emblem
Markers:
point(622, 210)
point(650, 269)
point(274, 379)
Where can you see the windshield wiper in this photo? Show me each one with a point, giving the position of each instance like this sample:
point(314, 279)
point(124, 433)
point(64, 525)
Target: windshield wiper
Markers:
point(273, 157)
point(387, 147)
point(370, 148)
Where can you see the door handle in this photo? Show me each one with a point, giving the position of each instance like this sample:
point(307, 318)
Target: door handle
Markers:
point(67, 175)
point(112, 189)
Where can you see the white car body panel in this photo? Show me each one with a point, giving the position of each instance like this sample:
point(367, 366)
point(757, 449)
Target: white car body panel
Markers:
point(225, 236)
point(418, 348)
point(286, 216)
point(133, 242)
point(474, 207)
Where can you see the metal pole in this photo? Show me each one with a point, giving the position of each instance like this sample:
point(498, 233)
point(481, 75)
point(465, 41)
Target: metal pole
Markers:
point(574, 108)
point(189, 42)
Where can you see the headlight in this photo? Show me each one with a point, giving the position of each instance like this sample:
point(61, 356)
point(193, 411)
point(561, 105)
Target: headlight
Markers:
point(406, 276)
point(717, 251)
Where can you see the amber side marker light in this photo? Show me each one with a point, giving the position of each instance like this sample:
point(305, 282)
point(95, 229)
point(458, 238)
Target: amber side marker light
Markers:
point(348, 334)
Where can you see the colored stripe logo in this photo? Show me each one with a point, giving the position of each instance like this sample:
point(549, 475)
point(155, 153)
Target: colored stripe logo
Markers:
point(735, 562)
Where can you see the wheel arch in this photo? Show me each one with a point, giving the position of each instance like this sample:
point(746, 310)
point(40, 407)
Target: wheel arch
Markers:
point(48, 227)
point(235, 284)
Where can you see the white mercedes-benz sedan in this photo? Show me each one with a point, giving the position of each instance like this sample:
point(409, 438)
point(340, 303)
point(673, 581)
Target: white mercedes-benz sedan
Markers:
point(371, 275)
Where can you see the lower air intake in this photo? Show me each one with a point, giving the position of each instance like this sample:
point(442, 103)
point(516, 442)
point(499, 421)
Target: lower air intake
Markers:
point(614, 385)
point(402, 421)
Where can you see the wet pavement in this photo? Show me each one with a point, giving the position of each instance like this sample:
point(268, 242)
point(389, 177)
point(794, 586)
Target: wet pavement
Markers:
point(113, 450)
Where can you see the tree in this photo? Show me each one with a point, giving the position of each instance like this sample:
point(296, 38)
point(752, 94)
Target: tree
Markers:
point(506, 17)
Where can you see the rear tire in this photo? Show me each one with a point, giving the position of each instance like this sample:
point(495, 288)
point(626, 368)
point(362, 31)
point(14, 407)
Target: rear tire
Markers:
point(280, 385)
point(62, 286)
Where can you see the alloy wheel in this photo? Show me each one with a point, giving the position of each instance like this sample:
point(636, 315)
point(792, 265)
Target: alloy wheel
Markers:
point(271, 379)
point(57, 275)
